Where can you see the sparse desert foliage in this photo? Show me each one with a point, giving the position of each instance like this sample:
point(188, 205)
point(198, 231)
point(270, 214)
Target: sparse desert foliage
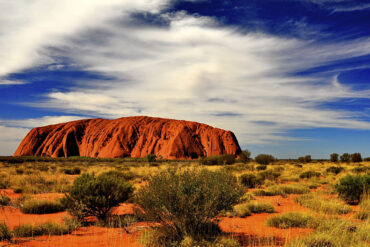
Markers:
point(93, 195)
point(351, 188)
point(334, 157)
point(264, 159)
point(185, 202)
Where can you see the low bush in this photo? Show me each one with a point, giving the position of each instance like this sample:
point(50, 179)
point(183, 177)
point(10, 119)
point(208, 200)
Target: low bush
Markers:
point(151, 157)
point(93, 195)
point(360, 169)
point(367, 159)
point(288, 220)
point(356, 157)
point(335, 169)
point(261, 167)
point(364, 206)
point(246, 197)
point(346, 157)
point(34, 206)
point(351, 188)
point(226, 159)
point(72, 171)
point(269, 174)
point(335, 232)
point(260, 207)
point(282, 190)
point(310, 174)
point(334, 157)
point(49, 228)
point(323, 205)
point(5, 233)
point(186, 202)
point(245, 156)
point(264, 159)
point(250, 180)
point(241, 210)
point(4, 200)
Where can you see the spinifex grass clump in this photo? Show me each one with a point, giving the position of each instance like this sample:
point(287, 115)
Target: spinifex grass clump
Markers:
point(186, 203)
point(49, 228)
point(323, 205)
point(93, 195)
point(282, 190)
point(5, 233)
point(250, 180)
point(364, 213)
point(336, 233)
point(310, 174)
point(291, 219)
point(246, 209)
point(34, 206)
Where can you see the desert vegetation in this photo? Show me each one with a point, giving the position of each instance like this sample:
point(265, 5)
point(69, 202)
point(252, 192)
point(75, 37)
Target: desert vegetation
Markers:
point(216, 201)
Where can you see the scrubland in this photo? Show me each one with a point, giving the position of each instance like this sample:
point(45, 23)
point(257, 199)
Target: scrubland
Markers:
point(135, 202)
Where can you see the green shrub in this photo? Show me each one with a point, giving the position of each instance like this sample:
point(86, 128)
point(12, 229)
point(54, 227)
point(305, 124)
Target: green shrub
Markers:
point(310, 174)
point(242, 210)
point(360, 169)
point(334, 157)
point(260, 207)
point(72, 171)
point(245, 156)
point(93, 195)
point(351, 188)
point(250, 180)
point(356, 157)
point(151, 157)
point(5, 233)
point(288, 220)
point(346, 157)
point(335, 169)
point(4, 200)
point(261, 167)
point(246, 197)
point(367, 159)
point(183, 201)
point(41, 207)
point(269, 174)
point(264, 159)
point(225, 159)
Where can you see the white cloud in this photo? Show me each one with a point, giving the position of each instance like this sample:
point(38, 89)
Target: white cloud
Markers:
point(192, 69)
point(11, 82)
point(28, 26)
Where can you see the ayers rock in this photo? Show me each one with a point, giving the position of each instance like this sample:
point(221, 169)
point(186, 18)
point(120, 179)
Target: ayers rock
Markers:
point(129, 137)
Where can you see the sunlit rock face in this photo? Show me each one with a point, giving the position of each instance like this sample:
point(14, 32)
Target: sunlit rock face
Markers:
point(129, 137)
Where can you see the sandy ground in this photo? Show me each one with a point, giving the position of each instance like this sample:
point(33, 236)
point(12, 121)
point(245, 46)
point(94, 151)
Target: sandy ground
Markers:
point(251, 231)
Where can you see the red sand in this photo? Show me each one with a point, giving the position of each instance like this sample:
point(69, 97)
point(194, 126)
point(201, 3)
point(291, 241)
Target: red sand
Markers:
point(13, 217)
point(255, 225)
point(85, 236)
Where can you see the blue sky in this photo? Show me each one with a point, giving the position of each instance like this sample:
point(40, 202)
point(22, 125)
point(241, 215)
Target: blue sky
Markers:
point(288, 77)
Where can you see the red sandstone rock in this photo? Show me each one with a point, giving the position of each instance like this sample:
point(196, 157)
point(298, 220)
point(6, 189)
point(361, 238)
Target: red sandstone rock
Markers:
point(129, 137)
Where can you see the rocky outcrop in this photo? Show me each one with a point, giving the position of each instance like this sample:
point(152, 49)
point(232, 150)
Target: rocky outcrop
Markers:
point(129, 137)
